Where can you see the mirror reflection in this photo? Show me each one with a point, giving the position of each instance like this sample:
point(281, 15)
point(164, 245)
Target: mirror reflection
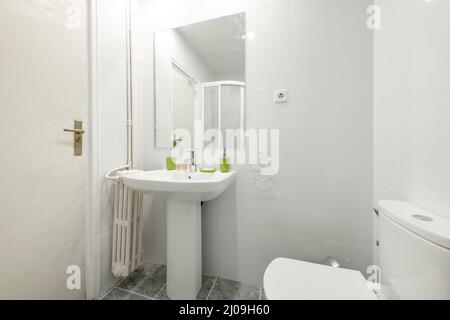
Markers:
point(200, 78)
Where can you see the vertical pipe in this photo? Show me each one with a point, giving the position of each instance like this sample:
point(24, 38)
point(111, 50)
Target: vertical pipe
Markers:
point(128, 193)
point(129, 87)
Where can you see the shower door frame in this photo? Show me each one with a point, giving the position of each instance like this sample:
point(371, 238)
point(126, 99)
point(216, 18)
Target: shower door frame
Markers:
point(219, 85)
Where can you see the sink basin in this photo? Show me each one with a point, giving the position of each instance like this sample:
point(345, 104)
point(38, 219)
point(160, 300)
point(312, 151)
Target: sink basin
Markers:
point(191, 187)
point(184, 193)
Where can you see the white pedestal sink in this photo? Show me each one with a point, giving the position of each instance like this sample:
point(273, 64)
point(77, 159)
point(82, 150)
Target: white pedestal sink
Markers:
point(184, 193)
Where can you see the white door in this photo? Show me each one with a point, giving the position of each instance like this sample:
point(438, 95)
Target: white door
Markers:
point(43, 186)
point(184, 97)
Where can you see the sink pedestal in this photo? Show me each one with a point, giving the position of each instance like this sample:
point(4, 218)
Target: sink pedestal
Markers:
point(184, 249)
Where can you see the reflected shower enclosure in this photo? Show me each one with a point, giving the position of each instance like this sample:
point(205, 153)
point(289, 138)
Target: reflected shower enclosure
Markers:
point(223, 108)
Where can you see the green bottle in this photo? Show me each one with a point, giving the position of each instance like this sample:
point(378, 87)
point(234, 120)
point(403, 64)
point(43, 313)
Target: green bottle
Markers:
point(224, 162)
point(170, 164)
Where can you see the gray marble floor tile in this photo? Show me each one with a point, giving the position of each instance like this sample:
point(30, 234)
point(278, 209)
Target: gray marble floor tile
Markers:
point(117, 294)
point(207, 285)
point(147, 281)
point(202, 295)
point(162, 295)
point(232, 290)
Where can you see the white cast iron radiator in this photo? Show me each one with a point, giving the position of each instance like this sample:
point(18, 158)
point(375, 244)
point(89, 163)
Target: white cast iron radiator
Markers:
point(127, 227)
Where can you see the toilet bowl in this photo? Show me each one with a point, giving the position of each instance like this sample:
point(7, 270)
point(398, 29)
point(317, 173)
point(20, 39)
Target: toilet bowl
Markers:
point(414, 263)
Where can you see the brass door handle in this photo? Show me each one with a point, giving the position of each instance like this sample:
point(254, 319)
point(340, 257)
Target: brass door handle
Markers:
point(77, 131)
point(78, 138)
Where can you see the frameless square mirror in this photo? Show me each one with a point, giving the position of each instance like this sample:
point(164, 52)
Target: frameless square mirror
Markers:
point(200, 79)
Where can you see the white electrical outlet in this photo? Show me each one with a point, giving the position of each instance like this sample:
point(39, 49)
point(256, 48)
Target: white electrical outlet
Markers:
point(281, 96)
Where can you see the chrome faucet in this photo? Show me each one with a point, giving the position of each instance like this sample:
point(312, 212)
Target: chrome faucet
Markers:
point(193, 163)
point(176, 141)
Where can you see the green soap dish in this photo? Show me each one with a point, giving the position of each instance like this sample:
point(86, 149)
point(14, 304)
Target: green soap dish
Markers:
point(208, 170)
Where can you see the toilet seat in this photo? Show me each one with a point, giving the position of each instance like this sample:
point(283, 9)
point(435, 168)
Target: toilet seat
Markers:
point(287, 279)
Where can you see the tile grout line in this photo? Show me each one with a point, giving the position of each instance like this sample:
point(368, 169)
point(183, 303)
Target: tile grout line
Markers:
point(160, 290)
point(106, 293)
point(135, 293)
point(114, 286)
point(209, 293)
point(118, 283)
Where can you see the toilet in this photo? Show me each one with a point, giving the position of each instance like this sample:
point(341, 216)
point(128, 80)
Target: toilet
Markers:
point(414, 264)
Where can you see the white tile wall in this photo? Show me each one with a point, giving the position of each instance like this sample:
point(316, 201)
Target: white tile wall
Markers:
point(272, 32)
point(326, 27)
point(412, 98)
point(412, 91)
point(322, 52)
point(111, 125)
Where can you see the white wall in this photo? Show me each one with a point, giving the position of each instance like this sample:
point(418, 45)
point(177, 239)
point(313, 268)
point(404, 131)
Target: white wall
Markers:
point(321, 51)
point(234, 75)
point(412, 99)
point(109, 116)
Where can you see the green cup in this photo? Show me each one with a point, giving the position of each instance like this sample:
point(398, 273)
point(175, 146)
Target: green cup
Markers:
point(170, 164)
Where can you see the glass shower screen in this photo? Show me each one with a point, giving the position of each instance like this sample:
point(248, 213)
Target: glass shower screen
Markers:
point(224, 109)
